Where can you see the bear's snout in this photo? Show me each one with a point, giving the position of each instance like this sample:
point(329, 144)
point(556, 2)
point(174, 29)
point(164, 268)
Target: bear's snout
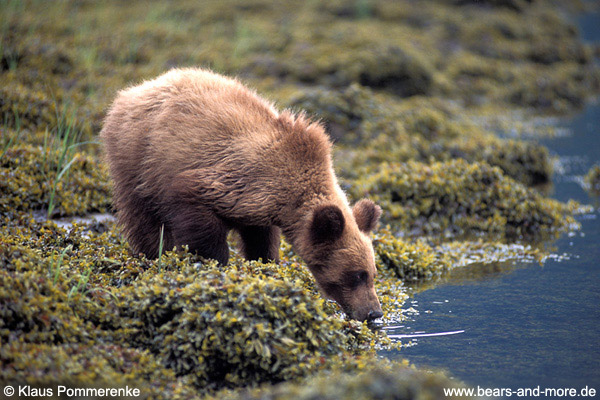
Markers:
point(367, 313)
point(374, 315)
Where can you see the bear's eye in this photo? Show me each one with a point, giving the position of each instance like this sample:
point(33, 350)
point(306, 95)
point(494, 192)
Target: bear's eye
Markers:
point(356, 278)
point(361, 276)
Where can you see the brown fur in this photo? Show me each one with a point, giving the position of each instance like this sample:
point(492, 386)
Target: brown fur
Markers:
point(201, 154)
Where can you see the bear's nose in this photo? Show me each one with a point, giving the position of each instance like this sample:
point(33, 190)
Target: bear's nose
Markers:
point(374, 315)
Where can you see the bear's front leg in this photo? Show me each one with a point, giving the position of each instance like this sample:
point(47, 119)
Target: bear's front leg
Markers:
point(201, 230)
point(260, 242)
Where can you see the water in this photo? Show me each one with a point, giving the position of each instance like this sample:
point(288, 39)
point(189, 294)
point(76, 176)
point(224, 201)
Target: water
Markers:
point(588, 24)
point(524, 324)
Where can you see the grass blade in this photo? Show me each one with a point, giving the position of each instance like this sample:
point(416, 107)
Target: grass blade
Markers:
point(10, 141)
point(160, 247)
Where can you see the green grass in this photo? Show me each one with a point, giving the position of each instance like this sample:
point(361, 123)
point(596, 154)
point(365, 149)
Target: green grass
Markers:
point(160, 247)
point(8, 139)
point(81, 285)
point(65, 140)
point(56, 265)
point(363, 9)
point(10, 8)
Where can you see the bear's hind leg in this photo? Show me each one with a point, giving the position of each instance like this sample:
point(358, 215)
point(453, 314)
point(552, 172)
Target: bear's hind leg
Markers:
point(201, 230)
point(260, 242)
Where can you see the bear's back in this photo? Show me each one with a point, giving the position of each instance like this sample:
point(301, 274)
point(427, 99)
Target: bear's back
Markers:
point(193, 119)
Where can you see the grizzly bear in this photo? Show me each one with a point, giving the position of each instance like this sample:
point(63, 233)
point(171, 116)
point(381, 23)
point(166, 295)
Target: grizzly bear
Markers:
point(195, 154)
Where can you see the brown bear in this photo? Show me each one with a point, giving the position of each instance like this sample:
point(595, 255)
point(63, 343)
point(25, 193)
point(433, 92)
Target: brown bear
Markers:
point(200, 154)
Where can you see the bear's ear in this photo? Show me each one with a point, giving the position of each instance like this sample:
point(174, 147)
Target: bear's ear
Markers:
point(366, 213)
point(327, 224)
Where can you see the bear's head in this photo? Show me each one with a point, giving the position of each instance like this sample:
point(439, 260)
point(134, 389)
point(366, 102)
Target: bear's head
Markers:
point(342, 258)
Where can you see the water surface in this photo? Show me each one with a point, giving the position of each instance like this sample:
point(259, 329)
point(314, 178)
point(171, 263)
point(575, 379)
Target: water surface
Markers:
point(524, 324)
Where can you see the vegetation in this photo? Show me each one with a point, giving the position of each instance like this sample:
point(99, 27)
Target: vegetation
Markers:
point(456, 197)
point(592, 180)
point(413, 94)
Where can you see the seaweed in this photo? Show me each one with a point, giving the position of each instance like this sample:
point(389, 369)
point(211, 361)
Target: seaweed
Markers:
point(33, 178)
point(388, 131)
point(592, 180)
point(215, 326)
point(409, 261)
point(231, 328)
point(458, 198)
point(374, 380)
